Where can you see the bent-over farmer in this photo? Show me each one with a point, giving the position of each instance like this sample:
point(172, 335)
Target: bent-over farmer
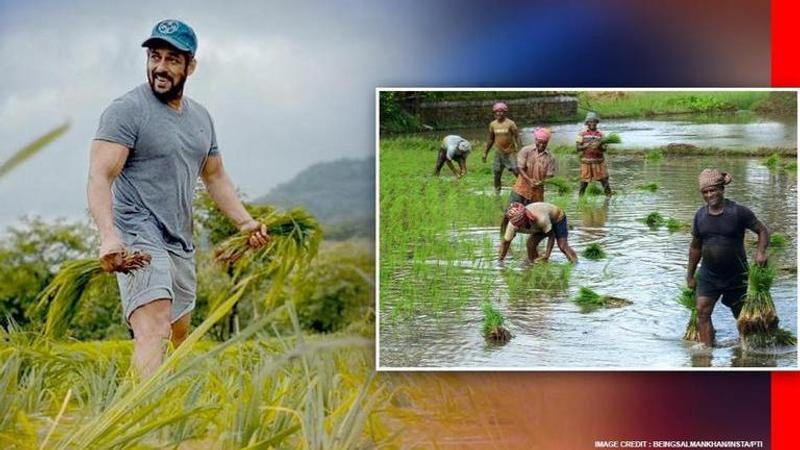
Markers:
point(718, 240)
point(453, 148)
point(539, 220)
point(151, 146)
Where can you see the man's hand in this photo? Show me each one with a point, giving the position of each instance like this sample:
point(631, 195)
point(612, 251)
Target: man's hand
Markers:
point(114, 257)
point(258, 233)
point(483, 158)
point(761, 258)
point(691, 283)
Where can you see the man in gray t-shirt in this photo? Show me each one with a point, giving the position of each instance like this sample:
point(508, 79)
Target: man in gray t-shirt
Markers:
point(151, 146)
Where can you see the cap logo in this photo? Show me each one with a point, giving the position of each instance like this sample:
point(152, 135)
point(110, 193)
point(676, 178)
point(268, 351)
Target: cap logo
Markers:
point(168, 27)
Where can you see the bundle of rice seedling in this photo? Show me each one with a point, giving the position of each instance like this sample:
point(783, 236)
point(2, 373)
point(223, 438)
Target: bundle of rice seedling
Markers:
point(594, 189)
point(650, 187)
point(612, 138)
point(686, 298)
point(674, 224)
point(772, 161)
point(493, 320)
point(594, 251)
point(654, 155)
point(294, 237)
point(654, 219)
point(758, 320)
point(561, 184)
point(61, 297)
point(589, 300)
point(777, 240)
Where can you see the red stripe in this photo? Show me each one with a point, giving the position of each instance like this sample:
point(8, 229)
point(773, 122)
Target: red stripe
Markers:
point(785, 43)
point(785, 398)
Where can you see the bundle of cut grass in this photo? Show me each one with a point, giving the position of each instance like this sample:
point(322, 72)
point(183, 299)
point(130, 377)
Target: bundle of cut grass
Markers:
point(594, 189)
point(612, 138)
point(589, 300)
point(561, 184)
point(758, 321)
point(62, 296)
point(654, 219)
point(650, 187)
point(655, 155)
point(772, 161)
point(294, 236)
point(686, 298)
point(594, 251)
point(674, 224)
point(493, 320)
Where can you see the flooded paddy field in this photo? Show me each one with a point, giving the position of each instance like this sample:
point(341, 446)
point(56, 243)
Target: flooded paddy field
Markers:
point(438, 263)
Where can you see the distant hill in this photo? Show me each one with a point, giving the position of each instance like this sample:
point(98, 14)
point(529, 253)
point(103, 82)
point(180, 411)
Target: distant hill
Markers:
point(341, 194)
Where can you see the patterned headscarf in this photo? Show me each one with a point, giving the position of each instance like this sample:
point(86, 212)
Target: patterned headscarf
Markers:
point(500, 106)
point(516, 214)
point(713, 177)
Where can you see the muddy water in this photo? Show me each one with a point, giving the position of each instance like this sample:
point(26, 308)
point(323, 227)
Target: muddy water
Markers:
point(643, 265)
point(740, 130)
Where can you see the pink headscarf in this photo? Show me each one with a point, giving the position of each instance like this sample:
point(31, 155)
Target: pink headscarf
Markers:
point(541, 134)
point(500, 106)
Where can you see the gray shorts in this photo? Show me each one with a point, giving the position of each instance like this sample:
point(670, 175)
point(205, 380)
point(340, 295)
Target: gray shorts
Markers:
point(167, 276)
point(508, 161)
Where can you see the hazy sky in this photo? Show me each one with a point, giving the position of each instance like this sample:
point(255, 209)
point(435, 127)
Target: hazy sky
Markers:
point(287, 83)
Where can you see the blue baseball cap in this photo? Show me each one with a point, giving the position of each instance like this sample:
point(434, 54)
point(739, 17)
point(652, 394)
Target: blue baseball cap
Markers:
point(174, 33)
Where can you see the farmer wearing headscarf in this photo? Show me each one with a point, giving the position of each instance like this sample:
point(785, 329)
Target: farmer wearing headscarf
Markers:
point(539, 220)
point(718, 239)
point(504, 135)
point(453, 148)
point(534, 164)
point(589, 145)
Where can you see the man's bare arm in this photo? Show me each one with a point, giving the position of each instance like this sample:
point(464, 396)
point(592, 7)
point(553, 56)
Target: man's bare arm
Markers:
point(695, 248)
point(105, 163)
point(222, 191)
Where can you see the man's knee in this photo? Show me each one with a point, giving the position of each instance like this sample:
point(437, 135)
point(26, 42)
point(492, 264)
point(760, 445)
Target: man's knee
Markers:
point(705, 307)
point(152, 321)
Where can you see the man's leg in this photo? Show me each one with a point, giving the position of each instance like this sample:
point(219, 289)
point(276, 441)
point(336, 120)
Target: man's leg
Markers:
point(498, 175)
point(606, 186)
point(180, 329)
point(563, 245)
point(734, 299)
point(705, 306)
point(440, 162)
point(151, 329)
point(582, 190)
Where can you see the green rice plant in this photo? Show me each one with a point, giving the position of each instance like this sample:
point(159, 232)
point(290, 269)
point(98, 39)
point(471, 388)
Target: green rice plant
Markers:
point(593, 251)
point(674, 224)
point(654, 155)
point(649, 187)
point(654, 219)
point(778, 240)
point(561, 184)
point(772, 161)
point(758, 320)
point(31, 149)
point(612, 138)
point(62, 296)
point(791, 166)
point(493, 320)
point(687, 300)
point(594, 189)
point(589, 300)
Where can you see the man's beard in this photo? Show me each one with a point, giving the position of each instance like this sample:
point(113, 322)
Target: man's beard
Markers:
point(175, 92)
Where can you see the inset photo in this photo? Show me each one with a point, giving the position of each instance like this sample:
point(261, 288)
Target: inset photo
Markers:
point(635, 229)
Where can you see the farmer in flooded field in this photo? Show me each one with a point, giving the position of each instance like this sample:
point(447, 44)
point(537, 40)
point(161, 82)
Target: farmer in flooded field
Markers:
point(589, 145)
point(539, 220)
point(453, 148)
point(535, 164)
point(718, 239)
point(504, 136)
point(151, 146)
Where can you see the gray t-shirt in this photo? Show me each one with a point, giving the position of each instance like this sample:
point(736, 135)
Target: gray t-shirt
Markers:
point(168, 148)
